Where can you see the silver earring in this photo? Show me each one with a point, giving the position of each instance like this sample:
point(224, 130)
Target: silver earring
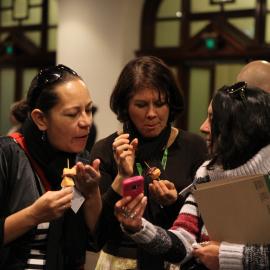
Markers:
point(43, 136)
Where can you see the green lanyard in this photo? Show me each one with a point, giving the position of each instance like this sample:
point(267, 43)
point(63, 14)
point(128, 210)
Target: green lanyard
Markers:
point(163, 162)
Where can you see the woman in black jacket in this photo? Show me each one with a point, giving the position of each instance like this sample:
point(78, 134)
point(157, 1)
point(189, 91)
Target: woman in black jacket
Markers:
point(38, 229)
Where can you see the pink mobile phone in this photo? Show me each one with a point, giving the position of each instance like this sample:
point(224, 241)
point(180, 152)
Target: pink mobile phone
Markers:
point(133, 186)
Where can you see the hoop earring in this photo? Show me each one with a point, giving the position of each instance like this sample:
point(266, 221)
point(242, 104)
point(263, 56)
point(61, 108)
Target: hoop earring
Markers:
point(44, 136)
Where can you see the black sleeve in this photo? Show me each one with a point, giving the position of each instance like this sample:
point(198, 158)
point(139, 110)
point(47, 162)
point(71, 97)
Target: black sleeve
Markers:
point(10, 154)
point(107, 223)
point(6, 161)
point(108, 170)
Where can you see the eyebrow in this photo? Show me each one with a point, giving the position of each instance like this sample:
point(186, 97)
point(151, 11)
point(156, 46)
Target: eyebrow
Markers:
point(89, 104)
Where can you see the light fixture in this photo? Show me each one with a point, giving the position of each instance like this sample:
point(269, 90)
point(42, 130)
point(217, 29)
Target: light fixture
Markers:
point(178, 14)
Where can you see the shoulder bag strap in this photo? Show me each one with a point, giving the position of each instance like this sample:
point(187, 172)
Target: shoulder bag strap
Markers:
point(20, 140)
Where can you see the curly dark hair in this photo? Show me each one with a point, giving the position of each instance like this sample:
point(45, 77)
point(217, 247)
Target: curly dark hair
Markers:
point(145, 72)
point(240, 124)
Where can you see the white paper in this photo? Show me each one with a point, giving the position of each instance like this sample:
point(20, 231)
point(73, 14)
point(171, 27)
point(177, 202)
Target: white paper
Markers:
point(77, 200)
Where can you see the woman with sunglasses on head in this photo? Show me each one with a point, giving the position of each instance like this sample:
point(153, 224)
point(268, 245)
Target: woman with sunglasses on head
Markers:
point(38, 228)
point(238, 122)
point(146, 100)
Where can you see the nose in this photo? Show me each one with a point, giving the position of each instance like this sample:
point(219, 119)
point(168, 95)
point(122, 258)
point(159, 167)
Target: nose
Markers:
point(85, 120)
point(205, 127)
point(151, 112)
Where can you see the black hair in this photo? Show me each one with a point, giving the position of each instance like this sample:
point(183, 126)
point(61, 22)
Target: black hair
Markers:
point(239, 126)
point(19, 110)
point(146, 72)
point(41, 94)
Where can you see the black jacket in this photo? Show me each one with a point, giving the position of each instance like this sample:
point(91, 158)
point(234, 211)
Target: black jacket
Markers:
point(19, 188)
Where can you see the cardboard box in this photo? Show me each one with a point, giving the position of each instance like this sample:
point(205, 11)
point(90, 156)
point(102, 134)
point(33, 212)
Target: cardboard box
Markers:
point(236, 210)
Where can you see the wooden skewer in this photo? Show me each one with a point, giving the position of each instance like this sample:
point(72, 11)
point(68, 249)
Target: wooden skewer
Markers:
point(150, 168)
point(147, 165)
point(68, 162)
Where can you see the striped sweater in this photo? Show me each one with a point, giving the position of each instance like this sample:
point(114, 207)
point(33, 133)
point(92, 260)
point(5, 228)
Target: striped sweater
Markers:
point(176, 243)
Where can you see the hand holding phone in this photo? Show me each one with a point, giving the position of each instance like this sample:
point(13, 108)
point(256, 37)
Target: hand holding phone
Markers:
point(133, 186)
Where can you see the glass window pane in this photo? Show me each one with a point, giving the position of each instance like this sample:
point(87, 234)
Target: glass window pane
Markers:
point(52, 39)
point(197, 26)
point(246, 25)
point(34, 16)
point(28, 75)
point(6, 3)
point(267, 29)
point(7, 89)
point(167, 34)
point(35, 37)
point(203, 6)
point(6, 19)
point(268, 5)
point(20, 9)
point(240, 4)
point(226, 74)
point(53, 12)
point(198, 98)
point(169, 8)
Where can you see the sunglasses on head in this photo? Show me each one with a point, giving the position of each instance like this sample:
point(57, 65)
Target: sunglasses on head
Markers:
point(238, 90)
point(52, 74)
point(48, 76)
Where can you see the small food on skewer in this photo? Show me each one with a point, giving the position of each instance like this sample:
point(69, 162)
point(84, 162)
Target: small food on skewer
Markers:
point(153, 172)
point(68, 175)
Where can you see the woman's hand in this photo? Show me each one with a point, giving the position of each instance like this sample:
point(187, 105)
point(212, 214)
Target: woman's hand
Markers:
point(87, 182)
point(87, 178)
point(124, 154)
point(51, 205)
point(163, 192)
point(129, 212)
point(208, 254)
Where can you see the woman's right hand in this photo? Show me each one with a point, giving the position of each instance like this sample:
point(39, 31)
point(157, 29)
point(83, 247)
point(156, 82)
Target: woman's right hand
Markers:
point(129, 212)
point(51, 205)
point(124, 154)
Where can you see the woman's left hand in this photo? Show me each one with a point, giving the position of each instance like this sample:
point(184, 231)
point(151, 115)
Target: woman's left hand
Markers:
point(87, 178)
point(129, 212)
point(163, 191)
point(208, 254)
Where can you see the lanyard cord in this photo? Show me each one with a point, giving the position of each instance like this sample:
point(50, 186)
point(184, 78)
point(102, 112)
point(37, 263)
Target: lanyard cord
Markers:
point(163, 162)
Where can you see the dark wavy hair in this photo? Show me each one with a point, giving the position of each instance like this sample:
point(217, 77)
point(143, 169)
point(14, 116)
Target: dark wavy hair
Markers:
point(240, 125)
point(146, 72)
point(41, 93)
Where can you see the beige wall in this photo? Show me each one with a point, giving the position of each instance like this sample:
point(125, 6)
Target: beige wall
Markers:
point(97, 38)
